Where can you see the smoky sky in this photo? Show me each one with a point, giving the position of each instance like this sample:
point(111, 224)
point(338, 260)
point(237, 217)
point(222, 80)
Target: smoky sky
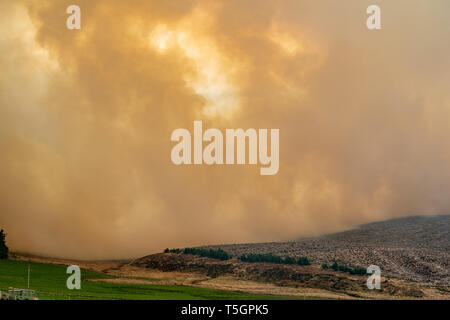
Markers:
point(86, 118)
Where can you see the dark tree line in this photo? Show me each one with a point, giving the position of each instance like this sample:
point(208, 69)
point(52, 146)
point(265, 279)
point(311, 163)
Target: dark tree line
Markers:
point(343, 268)
point(3, 248)
point(211, 253)
point(271, 258)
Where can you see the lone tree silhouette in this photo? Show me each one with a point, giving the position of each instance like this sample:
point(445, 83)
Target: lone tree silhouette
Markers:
point(3, 247)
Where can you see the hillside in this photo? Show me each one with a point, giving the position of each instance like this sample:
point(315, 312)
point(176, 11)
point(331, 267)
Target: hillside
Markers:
point(413, 254)
point(412, 248)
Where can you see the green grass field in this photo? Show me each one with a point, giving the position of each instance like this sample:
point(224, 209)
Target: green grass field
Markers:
point(49, 282)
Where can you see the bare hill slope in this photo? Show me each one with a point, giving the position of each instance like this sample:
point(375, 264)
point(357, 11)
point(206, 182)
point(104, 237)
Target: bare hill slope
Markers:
point(411, 248)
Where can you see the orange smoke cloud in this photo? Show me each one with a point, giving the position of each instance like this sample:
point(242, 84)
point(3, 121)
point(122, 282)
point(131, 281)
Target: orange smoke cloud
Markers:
point(86, 118)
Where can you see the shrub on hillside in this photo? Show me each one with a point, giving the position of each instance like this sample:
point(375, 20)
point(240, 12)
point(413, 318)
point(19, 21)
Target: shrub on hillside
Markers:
point(271, 258)
point(359, 270)
point(167, 250)
point(303, 261)
point(210, 253)
point(352, 270)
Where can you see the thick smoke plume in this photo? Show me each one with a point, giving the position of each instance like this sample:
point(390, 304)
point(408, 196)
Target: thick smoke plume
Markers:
point(86, 117)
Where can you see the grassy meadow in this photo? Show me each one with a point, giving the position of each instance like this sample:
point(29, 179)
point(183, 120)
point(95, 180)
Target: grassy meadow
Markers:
point(49, 282)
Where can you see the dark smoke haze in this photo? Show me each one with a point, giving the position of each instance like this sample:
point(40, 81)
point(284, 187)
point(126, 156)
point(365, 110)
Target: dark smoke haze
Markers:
point(86, 117)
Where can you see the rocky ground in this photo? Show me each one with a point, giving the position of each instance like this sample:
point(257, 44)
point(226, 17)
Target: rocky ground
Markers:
point(288, 276)
point(412, 248)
